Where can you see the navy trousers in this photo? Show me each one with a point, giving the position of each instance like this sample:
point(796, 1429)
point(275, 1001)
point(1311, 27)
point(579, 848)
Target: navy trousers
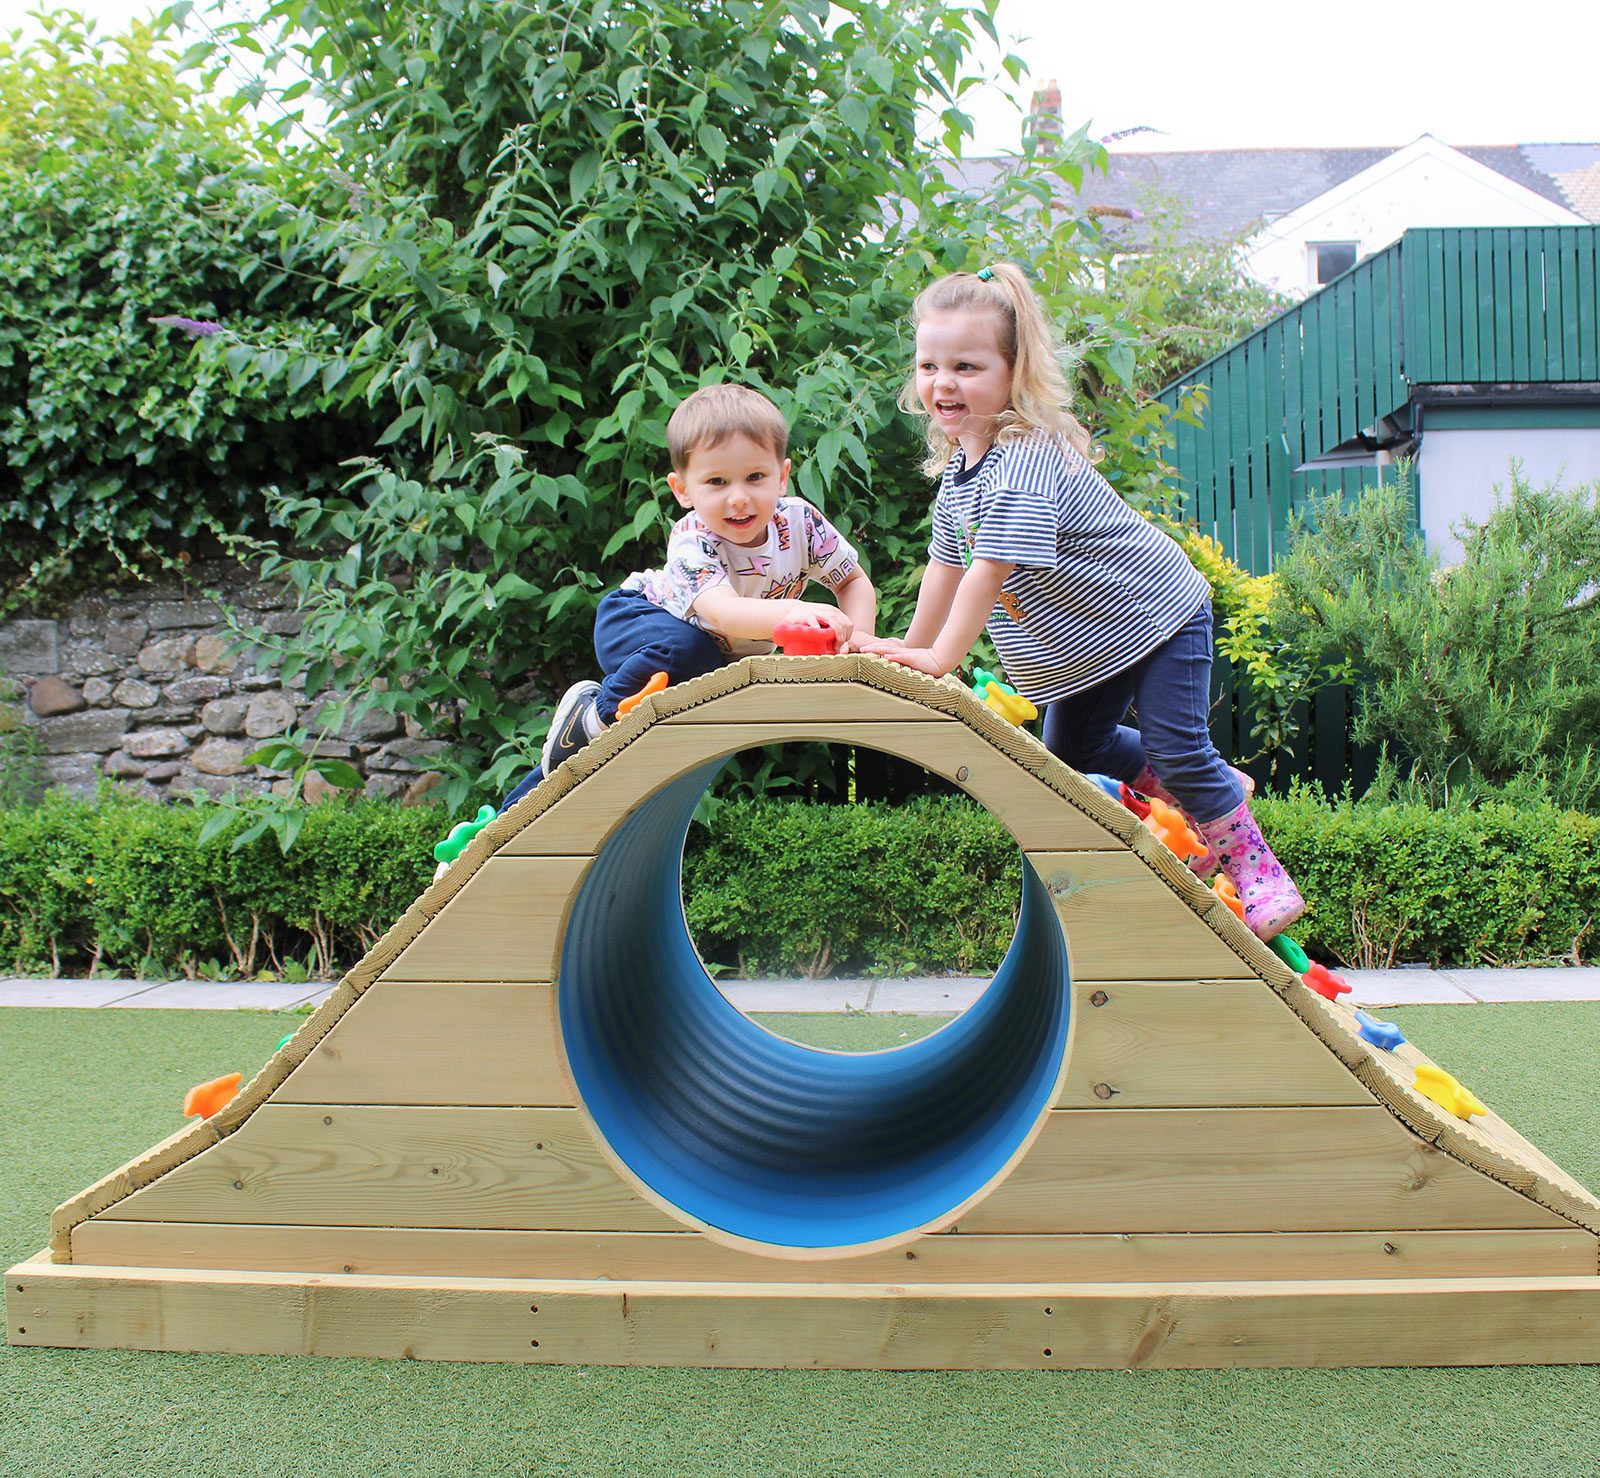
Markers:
point(634, 640)
point(1171, 688)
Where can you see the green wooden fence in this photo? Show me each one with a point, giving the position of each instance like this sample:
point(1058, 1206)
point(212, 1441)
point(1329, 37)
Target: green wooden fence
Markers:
point(1469, 306)
point(1479, 306)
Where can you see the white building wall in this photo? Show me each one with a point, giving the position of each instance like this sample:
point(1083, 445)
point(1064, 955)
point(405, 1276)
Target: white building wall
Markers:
point(1425, 184)
point(1460, 471)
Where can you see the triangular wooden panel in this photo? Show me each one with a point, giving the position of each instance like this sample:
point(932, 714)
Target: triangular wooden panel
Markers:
point(1200, 1161)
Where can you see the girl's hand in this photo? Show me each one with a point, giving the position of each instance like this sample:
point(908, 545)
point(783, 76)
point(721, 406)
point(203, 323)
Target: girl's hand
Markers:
point(920, 658)
point(879, 646)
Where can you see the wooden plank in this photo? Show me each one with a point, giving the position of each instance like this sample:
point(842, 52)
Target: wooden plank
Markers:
point(406, 1167)
point(1497, 1321)
point(504, 925)
point(1263, 430)
point(783, 703)
point(1366, 387)
point(1502, 360)
point(1350, 369)
point(1464, 318)
point(1330, 735)
point(1533, 251)
point(1517, 302)
point(1440, 332)
point(1278, 469)
point(1482, 289)
point(1222, 452)
point(944, 1258)
point(1588, 305)
point(1205, 475)
point(410, 1042)
point(1034, 814)
point(1555, 309)
point(1196, 1043)
point(1242, 431)
point(1242, 1170)
point(1122, 921)
point(1571, 351)
point(1187, 1043)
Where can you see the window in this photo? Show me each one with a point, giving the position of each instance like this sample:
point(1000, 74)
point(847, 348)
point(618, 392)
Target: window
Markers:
point(1329, 259)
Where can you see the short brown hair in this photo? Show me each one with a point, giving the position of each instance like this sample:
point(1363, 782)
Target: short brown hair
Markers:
point(715, 412)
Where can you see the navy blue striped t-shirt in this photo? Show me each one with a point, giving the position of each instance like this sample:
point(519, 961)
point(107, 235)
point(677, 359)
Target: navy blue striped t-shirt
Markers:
point(1096, 587)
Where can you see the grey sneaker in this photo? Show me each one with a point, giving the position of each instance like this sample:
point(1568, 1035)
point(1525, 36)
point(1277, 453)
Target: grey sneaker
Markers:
point(573, 725)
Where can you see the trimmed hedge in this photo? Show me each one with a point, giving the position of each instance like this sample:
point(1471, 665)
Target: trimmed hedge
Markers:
point(122, 885)
point(778, 887)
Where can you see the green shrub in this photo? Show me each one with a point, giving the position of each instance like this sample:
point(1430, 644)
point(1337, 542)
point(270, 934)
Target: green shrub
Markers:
point(774, 888)
point(123, 196)
point(819, 890)
point(1488, 669)
point(123, 885)
point(1487, 885)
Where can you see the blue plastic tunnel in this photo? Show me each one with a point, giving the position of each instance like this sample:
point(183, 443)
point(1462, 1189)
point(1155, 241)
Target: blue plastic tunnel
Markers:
point(768, 1140)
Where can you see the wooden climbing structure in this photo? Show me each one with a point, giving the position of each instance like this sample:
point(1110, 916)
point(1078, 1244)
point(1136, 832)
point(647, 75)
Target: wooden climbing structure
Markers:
point(526, 1127)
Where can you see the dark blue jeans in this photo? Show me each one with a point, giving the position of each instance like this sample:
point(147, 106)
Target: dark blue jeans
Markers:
point(633, 641)
point(1171, 688)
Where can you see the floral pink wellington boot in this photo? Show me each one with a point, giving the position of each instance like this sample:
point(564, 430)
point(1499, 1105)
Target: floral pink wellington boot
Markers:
point(1271, 900)
point(1149, 784)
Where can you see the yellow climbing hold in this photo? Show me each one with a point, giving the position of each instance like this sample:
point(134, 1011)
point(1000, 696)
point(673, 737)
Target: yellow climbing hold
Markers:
point(1002, 698)
point(1437, 1084)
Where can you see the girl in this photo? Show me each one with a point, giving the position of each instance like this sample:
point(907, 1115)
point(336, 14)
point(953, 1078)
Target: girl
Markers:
point(1090, 606)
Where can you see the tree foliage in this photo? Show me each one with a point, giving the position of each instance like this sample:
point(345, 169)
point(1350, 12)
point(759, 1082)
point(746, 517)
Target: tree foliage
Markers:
point(541, 227)
point(119, 205)
point(1488, 670)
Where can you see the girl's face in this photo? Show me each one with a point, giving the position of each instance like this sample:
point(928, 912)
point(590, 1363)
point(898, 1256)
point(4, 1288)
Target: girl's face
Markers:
point(963, 376)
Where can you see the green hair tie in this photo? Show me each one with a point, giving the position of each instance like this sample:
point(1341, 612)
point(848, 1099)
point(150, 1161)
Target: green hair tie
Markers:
point(985, 274)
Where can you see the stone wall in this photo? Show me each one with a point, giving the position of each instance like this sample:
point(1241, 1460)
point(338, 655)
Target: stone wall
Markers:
point(143, 684)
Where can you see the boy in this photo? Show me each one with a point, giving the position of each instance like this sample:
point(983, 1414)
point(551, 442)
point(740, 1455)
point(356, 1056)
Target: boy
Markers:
point(736, 565)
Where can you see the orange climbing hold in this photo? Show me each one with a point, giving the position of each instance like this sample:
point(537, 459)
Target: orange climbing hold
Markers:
point(1224, 889)
point(657, 684)
point(1172, 829)
point(205, 1099)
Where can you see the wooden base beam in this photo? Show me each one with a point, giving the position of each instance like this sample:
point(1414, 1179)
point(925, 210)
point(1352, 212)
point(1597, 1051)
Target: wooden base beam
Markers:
point(1403, 1322)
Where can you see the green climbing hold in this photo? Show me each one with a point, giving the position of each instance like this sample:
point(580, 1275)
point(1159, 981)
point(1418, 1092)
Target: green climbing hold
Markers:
point(1290, 953)
point(462, 834)
point(983, 680)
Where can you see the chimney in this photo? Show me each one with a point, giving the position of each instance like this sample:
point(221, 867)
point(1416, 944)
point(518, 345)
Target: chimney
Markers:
point(1043, 124)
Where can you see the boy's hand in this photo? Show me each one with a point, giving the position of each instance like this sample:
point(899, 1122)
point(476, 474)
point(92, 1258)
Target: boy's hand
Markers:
point(812, 613)
point(878, 646)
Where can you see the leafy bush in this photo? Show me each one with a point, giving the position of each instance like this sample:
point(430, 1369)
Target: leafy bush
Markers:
point(773, 887)
point(846, 889)
point(125, 885)
point(1490, 668)
point(1486, 885)
point(120, 207)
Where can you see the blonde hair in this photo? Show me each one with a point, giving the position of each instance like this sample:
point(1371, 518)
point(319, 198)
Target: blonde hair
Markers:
point(1041, 399)
point(712, 414)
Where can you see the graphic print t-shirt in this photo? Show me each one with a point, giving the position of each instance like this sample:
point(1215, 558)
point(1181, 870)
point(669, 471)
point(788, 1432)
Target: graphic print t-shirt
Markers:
point(801, 546)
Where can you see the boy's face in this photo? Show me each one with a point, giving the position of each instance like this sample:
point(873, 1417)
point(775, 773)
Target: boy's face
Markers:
point(734, 487)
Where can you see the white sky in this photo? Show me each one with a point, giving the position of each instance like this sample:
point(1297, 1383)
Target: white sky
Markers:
point(1250, 73)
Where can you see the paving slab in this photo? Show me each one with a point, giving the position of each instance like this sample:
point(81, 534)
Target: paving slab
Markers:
point(219, 995)
point(927, 997)
point(1581, 984)
point(74, 993)
point(1404, 988)
point(798, 995)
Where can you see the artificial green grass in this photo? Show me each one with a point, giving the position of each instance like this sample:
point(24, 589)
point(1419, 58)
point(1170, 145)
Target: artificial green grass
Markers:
point(83, 1090)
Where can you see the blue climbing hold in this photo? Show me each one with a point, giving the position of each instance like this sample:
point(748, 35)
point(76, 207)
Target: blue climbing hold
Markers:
point(1383, 1034)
